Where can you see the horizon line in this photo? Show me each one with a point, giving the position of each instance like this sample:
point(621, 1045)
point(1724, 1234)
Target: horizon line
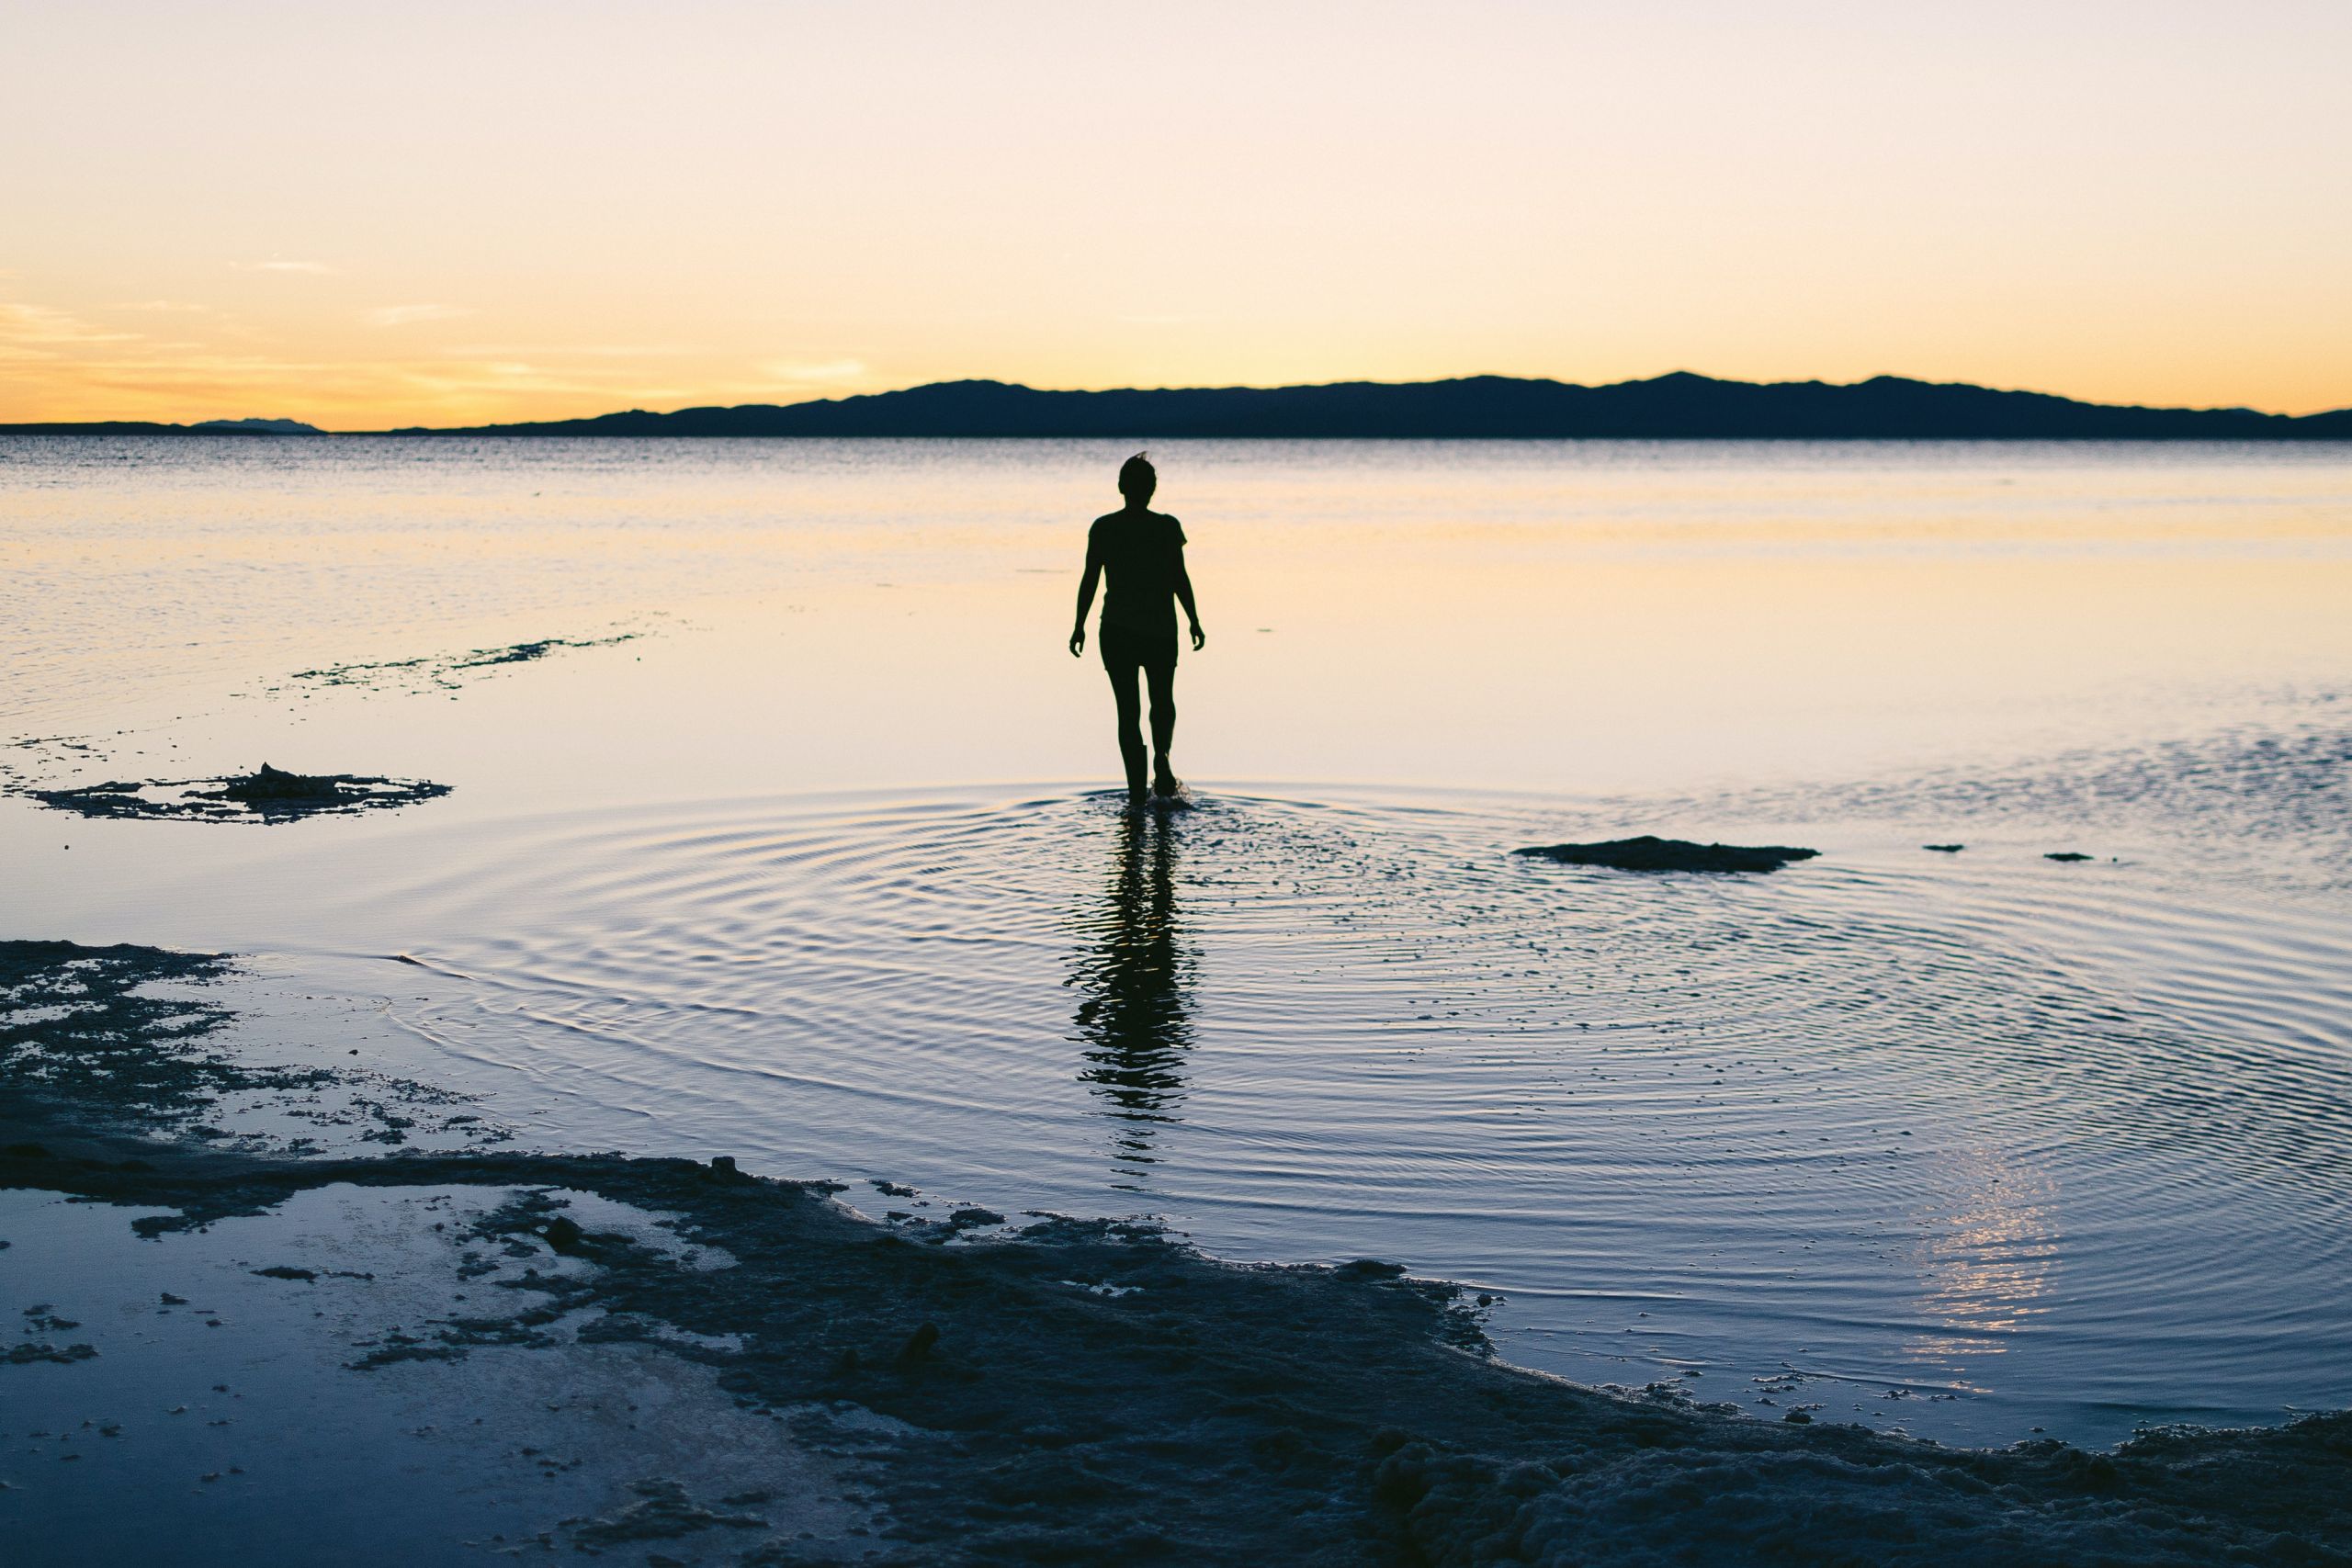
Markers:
point(224, 422)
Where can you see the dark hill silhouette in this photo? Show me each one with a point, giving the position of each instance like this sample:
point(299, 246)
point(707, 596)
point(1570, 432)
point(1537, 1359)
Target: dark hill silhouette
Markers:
point(1677, 406)
point(259, 426)
point(149, 427)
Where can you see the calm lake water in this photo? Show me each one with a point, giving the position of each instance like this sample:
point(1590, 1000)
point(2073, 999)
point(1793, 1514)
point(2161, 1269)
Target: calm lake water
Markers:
point(812, 868)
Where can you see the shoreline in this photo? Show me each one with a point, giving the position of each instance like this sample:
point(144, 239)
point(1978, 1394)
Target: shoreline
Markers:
point(1086, 1390)
point(1035, 1391)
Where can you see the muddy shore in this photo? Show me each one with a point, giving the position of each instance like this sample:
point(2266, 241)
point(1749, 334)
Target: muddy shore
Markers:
point(1050, 1389)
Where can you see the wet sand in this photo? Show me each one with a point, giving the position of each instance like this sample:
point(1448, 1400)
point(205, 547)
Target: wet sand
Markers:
point(814, 1386)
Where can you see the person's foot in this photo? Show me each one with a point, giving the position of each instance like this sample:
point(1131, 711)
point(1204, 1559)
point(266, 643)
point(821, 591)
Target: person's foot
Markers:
point(1163, 783)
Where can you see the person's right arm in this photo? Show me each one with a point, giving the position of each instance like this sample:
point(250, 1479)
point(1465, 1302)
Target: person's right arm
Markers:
point(1085, 597)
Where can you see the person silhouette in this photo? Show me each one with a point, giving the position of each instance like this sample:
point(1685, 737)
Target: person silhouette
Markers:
point(1143, 552)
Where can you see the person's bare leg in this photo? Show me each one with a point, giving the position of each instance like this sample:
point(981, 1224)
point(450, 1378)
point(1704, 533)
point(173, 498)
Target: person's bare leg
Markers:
point(1162, 678)
point(1122, 687)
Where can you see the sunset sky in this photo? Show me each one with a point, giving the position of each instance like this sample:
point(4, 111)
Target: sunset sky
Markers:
point(369, 215)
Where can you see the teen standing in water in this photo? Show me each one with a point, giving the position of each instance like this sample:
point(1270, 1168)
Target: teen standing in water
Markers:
point(1143, 552)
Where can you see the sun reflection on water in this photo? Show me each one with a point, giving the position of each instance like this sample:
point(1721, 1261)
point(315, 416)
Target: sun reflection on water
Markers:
point(1986, 1261)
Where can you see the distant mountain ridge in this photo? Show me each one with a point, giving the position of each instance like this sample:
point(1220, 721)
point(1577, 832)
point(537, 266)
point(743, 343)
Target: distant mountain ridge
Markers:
point(259, 426)
point(1681, 406)
point(151, 427)
point(1677, 406)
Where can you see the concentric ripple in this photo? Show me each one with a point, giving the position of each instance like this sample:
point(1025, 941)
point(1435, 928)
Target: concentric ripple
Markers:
point(1888, 1132)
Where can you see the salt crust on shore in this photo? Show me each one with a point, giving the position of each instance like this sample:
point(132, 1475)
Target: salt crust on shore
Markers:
point(1078, 1391)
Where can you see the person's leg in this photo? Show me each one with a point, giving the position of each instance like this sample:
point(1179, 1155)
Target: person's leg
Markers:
point(1122, 687)
point(1162, 679)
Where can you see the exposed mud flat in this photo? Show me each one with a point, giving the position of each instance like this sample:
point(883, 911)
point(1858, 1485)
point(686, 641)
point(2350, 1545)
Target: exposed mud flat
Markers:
point(1649, 853)
point(444, 672)
point(964, 1389)
point(269, 795)
point(103, 1039)
point(261, 1386)
point(1089, 1392)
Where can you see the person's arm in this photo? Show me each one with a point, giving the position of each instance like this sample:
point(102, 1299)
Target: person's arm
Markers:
point(1184, 597)
point(1086, 598)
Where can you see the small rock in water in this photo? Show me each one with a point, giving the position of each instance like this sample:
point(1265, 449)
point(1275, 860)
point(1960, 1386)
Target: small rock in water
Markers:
point(919, 1345)
point(275, 783)
point(1650, 852)
point(562, 1234)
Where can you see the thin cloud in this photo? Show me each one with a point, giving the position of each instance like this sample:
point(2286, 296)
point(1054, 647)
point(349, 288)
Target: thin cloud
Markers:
point(563, 351)
point(55, 365)
point(819, 374)
point(499, 377)
point(33, 329)
point(406, 315)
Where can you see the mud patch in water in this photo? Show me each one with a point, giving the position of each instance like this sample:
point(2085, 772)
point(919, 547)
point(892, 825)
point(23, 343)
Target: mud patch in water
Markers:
point(1649, 853)
point(444, 672)
point(270, 794)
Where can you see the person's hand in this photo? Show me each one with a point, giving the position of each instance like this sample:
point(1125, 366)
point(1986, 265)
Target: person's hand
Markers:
point(1199, 637)
point(1077, 641)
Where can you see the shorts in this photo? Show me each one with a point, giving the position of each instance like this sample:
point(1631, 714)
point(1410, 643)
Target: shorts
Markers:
point(1123, 648)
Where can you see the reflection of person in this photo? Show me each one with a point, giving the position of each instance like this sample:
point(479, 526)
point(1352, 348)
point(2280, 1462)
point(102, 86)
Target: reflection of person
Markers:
point(1143, 552)
point(1135, 978)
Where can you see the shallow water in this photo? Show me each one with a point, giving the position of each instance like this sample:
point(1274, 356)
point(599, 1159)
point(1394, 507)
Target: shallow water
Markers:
point(1972, 1144)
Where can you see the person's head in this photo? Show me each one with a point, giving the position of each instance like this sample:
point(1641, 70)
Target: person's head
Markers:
point(1138, 479)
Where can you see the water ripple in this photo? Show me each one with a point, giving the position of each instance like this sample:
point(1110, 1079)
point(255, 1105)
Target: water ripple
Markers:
point(1878, 1116)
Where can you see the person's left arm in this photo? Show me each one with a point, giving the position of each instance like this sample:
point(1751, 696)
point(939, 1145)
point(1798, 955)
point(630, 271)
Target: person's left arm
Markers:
point(1184, 595)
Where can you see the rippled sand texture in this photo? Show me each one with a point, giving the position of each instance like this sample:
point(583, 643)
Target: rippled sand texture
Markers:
point(1969, 1143)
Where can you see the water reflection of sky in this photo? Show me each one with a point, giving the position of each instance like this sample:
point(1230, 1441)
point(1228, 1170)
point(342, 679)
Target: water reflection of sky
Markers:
point(1134, 977)
point(1866, 1113)
point(1509, 614)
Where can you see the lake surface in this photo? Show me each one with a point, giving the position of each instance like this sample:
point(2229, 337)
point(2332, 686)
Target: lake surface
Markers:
point(813, 868)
